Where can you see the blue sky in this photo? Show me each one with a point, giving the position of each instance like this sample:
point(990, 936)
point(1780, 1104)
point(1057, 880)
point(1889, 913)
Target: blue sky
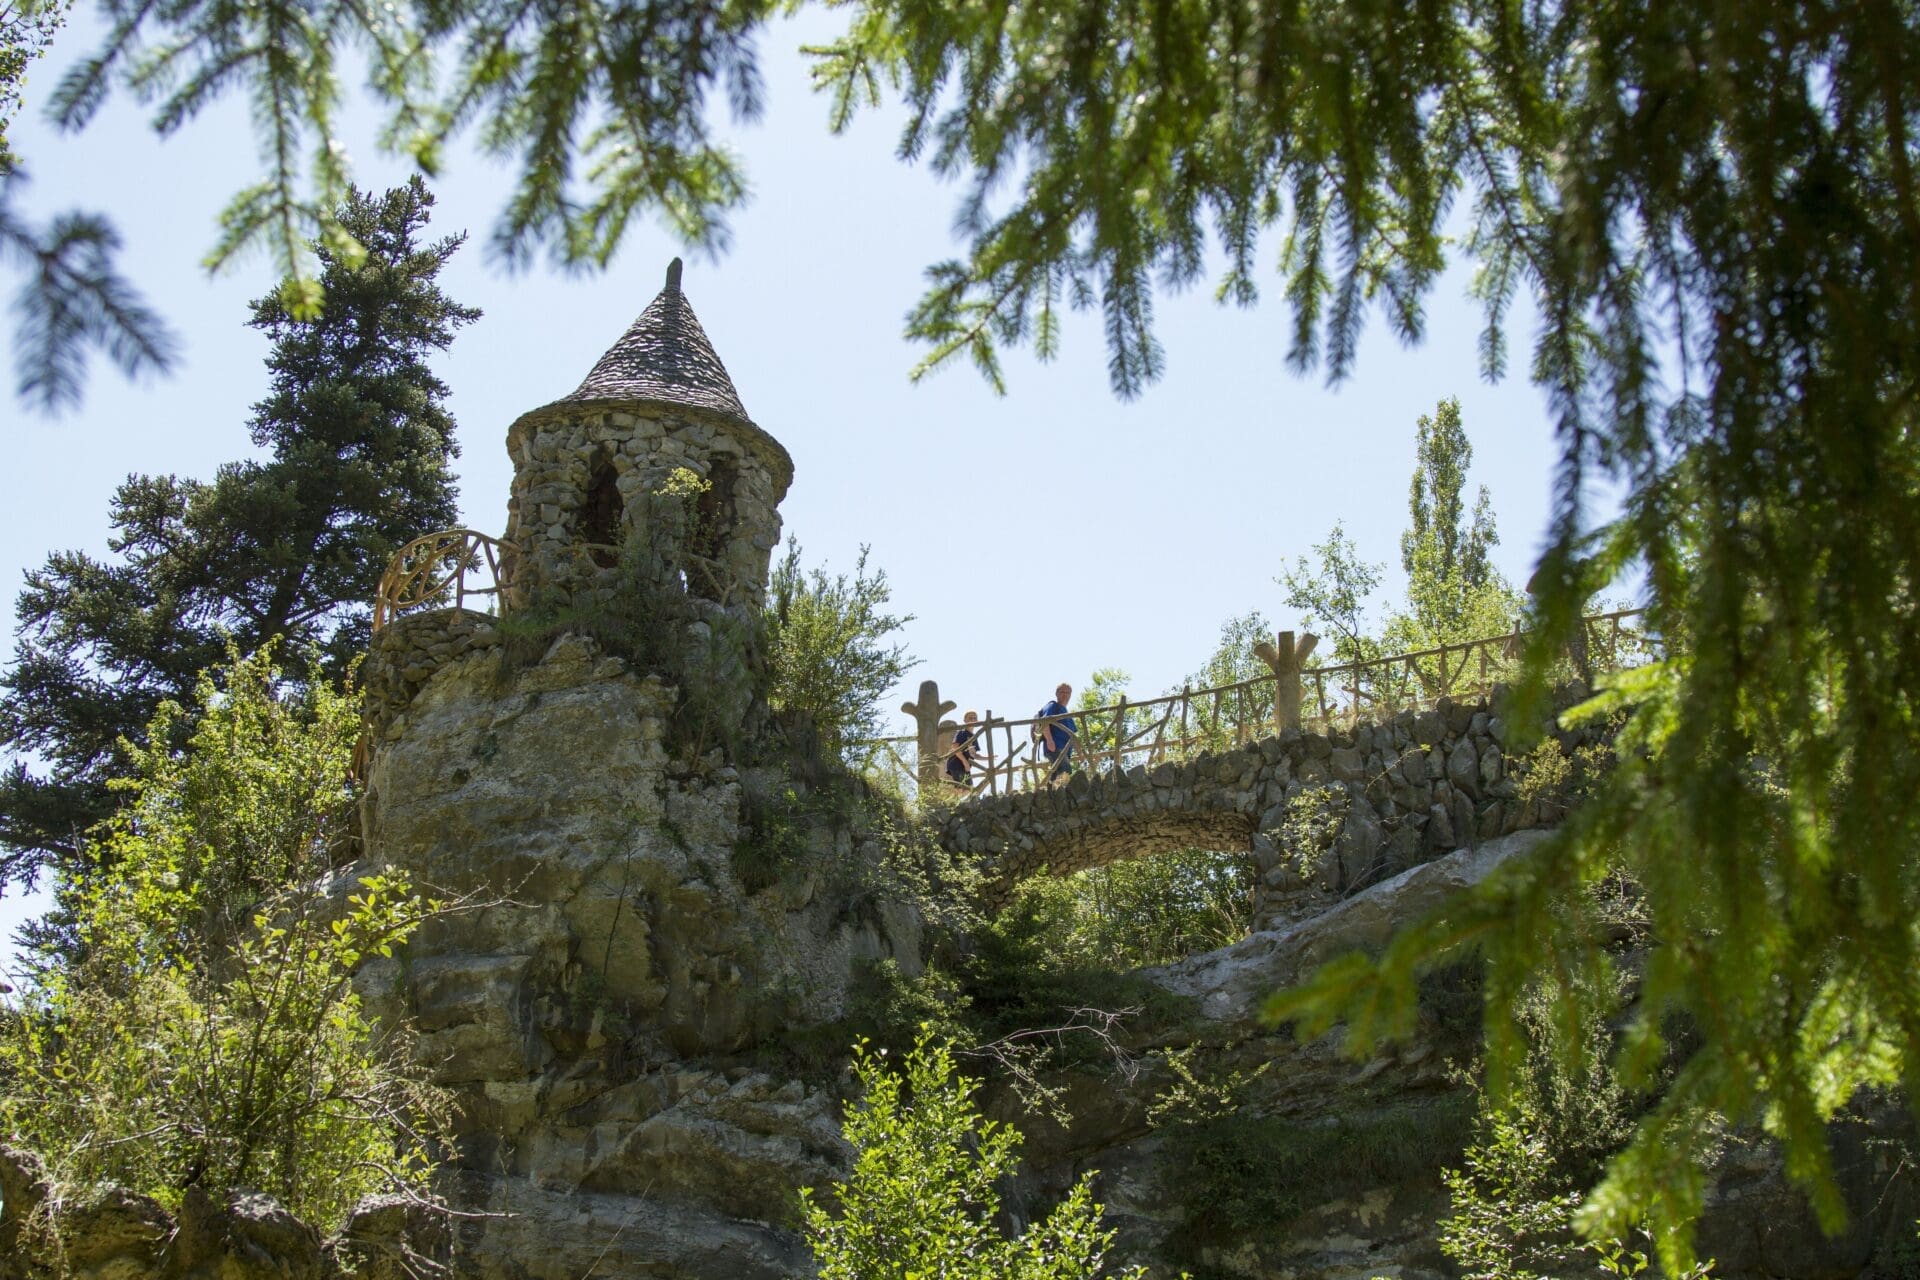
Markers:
point(1034, 537)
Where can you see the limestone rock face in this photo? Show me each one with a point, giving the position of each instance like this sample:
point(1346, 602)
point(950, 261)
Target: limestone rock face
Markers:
point(598, 1007)
point(591, 1007)
point(1230, 983)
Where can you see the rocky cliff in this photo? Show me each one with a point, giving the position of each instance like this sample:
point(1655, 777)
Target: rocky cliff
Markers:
point(610, 1014)
point(598, 1005)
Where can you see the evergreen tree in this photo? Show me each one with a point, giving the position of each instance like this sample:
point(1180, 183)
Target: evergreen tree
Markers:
point(358, 447)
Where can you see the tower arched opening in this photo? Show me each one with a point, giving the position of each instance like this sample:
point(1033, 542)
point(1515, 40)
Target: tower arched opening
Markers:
point(599, 524)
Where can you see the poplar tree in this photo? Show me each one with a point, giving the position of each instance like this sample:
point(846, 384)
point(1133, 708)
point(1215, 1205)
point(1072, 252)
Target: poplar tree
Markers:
point(1453, 591)
point(358, 445)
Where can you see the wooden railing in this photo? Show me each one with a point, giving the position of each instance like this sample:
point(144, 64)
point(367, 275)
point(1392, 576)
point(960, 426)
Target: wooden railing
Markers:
point(442, 571)
point(1006, 755)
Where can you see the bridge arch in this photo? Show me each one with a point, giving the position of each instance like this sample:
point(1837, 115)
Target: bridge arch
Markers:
point(1408, 789)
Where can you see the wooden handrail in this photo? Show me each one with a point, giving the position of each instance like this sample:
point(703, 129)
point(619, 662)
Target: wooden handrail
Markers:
point(439, 571)
point(1110, 738)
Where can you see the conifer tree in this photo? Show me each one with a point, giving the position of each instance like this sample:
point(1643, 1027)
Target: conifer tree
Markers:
point(72, 296)
point(358, 446)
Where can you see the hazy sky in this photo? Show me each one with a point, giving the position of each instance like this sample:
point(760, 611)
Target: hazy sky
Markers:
point(1033, 537)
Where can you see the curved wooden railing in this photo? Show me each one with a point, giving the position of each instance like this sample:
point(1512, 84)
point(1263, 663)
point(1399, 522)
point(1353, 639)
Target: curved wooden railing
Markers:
point(1006, 755)
point(442, 571)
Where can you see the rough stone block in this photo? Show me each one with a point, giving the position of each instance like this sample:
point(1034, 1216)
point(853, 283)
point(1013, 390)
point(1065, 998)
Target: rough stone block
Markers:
point(1346, 764)
point(1491, 766)
point(1463, 767)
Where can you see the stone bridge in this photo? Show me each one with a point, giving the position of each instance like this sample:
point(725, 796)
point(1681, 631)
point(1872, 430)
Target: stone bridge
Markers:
point(1397, 793)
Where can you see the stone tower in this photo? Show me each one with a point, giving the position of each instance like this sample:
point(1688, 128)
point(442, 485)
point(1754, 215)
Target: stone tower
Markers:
point(651, 467)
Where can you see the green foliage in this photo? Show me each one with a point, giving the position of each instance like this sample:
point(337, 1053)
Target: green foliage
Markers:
point(1194, 1097)
point(1511, 1212)
point(1721, 194)
point(1453, 591)
point(72, 298)
point(1712, 208)
point(25, 31)
point(710, 656)
point(1037, 960)
point(255, 1070)
point(1440, 548)
point(894, 1012)
point(1141, 912)
point(358, 451)
point(1515, 1199)
point(1104, 688)
point(1332, 595)
point(603, 105)
point(1215, 722)
point(922, 1198)
point(256, 798)
point(1315, 819)
point(829, 650)
point(776, 822)
point(161, 1054)
point(1552, 778)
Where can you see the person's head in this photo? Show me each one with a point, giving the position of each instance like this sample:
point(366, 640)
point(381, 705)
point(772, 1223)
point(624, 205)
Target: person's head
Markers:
point(972, 716)
point(1064, 694)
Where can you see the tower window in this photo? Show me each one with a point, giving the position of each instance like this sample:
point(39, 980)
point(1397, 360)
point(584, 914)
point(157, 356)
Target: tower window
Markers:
point(713, 526)
point(599, 526)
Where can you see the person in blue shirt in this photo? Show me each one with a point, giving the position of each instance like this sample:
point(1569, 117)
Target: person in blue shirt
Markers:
point(1056, 739)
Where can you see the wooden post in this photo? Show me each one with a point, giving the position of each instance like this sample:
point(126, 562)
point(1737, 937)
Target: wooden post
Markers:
point(926, 715)
point(1286, 659)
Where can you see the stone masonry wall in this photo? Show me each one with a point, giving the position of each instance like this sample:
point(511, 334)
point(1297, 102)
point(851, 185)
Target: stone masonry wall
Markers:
point(555, 452)
point(406, 653)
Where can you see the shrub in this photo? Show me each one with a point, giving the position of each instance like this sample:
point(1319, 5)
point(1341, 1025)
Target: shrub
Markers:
point(922, 1198)
point(203, 1029)
point(828, 649)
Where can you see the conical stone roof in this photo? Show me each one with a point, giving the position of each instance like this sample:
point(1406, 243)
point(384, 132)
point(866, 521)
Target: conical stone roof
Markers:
point(665, 356)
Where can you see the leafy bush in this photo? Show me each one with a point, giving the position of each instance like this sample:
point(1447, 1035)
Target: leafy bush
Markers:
point(204, 1029)
point(1021, 974)
point(828, 649)
point(1147, 911)
point(1515, 1197)
point(922, 1198)
point(255, 1069)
